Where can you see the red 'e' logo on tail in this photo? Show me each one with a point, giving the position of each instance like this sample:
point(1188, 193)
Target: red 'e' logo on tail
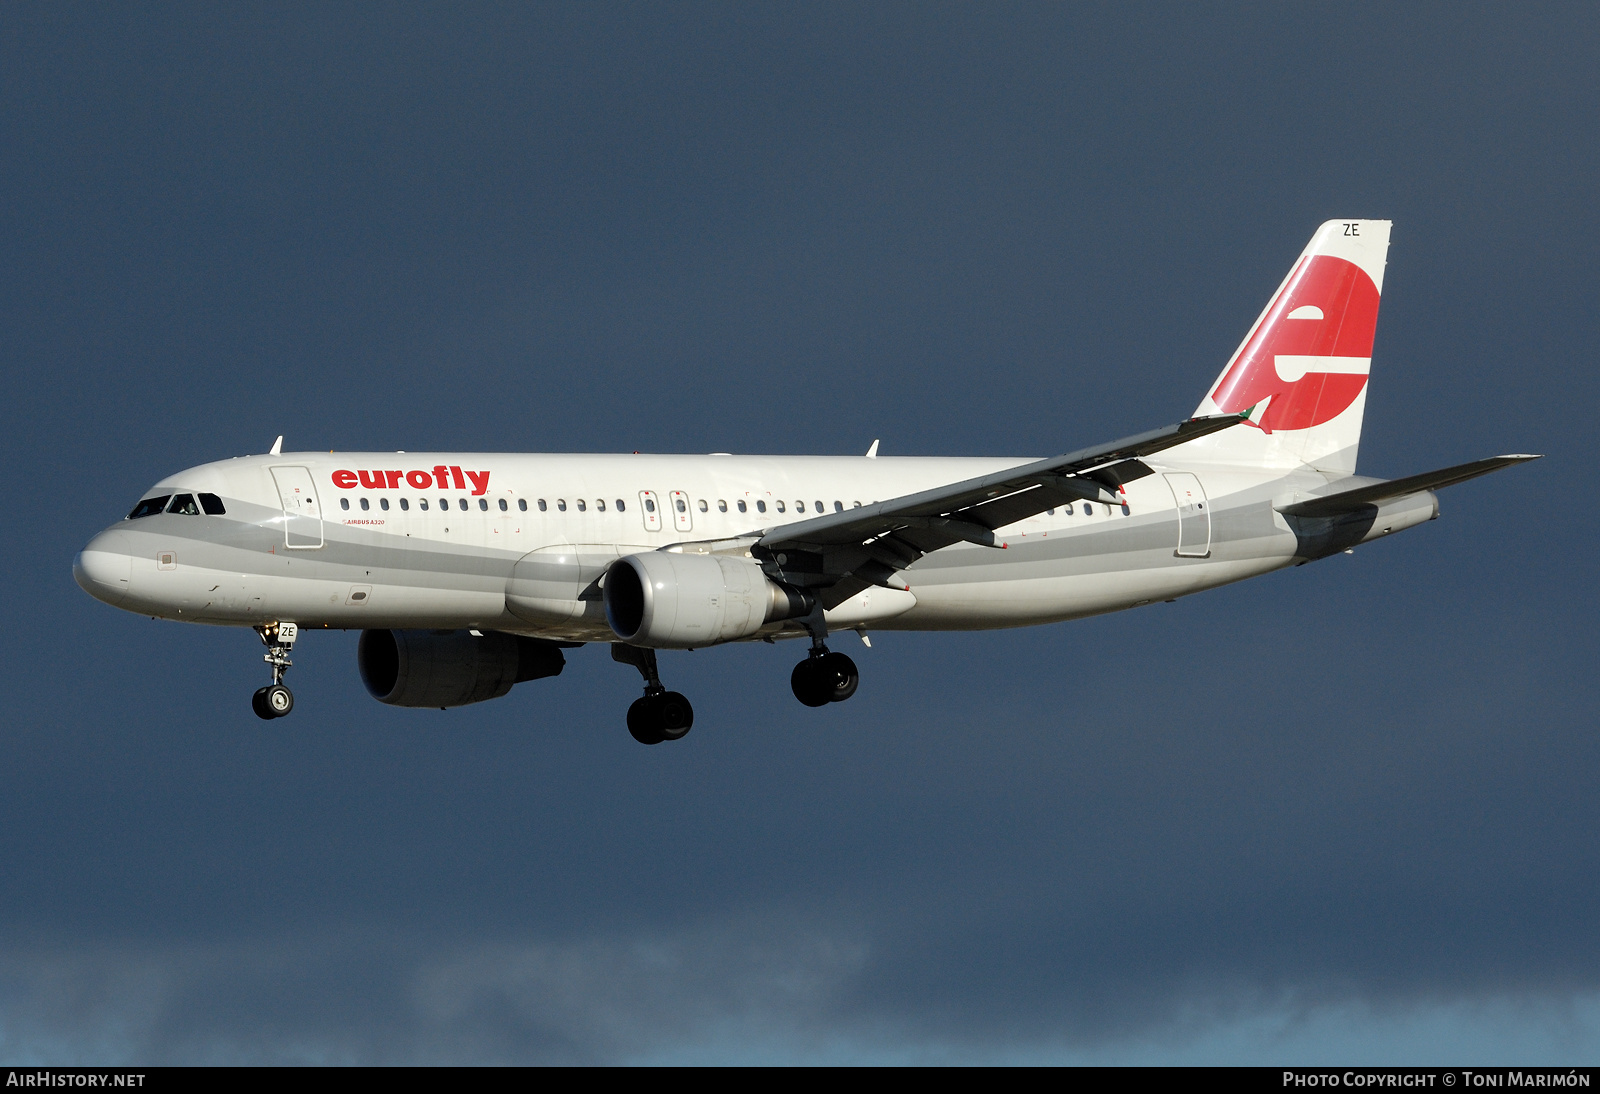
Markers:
point(1310, 354)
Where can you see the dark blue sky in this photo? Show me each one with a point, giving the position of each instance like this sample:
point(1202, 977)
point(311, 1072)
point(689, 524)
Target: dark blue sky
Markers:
point(1344, 812)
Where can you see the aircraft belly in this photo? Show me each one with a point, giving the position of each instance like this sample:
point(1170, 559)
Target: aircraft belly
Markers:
point(1026, 601)
point(1070, 574)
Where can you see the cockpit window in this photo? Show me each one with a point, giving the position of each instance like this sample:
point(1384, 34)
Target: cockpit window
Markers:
point(149, 507)
point(212, 505)
point(184, 505)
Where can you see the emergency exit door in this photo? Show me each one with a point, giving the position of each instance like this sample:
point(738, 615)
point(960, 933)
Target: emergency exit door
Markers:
point(1194, 515)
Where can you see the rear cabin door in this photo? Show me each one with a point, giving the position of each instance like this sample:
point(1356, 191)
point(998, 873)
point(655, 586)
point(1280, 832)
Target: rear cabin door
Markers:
point(1194, 515)
point(302, 516)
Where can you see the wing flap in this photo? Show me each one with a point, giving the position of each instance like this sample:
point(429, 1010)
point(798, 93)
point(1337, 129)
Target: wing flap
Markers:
point(996, 500)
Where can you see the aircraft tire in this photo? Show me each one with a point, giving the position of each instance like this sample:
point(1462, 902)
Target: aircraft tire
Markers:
point(841, 676)
point(645, 720)
point(677, 716)
point(258, 703)
point(809, 684)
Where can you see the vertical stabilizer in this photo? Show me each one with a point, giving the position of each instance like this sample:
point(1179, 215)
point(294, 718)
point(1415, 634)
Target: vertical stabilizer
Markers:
point(1302, 370)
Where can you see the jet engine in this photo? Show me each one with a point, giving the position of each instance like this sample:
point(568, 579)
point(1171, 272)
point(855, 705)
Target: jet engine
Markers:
point(451, 668)
point(667, 600)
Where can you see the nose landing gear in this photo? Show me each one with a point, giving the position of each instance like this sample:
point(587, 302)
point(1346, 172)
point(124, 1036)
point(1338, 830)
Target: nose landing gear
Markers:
point(275, 700)
point(660, 715)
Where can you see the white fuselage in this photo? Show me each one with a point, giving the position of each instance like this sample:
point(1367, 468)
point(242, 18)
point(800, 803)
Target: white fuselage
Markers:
point(519, 543)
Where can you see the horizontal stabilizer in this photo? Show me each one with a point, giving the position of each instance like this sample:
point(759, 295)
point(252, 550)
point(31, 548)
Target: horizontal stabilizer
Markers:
point(1347, 500)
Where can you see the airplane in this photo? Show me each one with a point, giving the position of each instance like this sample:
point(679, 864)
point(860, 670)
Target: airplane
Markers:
point(468, 573)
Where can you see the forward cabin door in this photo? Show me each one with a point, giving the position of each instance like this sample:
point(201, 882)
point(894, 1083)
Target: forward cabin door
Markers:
point(302, 517)
point(1194, 515)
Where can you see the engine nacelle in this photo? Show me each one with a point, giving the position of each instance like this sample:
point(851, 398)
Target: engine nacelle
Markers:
point(667, 600)
point(450, 668)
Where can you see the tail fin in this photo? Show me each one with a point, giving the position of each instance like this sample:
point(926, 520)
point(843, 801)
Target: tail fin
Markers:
point(1302, 370)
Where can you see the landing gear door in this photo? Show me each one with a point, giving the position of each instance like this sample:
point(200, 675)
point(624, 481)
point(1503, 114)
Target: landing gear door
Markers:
point(302, 516)
point(1194, 516)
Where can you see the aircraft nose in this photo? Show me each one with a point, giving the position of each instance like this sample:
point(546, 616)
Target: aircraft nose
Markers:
point(104, 567)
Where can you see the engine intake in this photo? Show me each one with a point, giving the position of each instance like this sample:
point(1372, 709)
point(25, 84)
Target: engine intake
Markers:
point(451, 668)
point(667, 600)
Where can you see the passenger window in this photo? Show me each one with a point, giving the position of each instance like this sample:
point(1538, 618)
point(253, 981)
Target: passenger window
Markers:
point(649, 505)
point(855, 505)
point(821, 508)
point(183, 505)
point(364, 504)
point(600, 505)
point(344, 503)
point(780, 507)
point(722, 506)
point(149, 507)
point(1088, 510)
point(503, 505)
point(838, 507)
point(799, 507)
point(561, 504)
point(522, 505)
point(383, 503)
point(444, 503)
point(483, 503)
point(761, 507)
point(542, 507)
point(463, 502)
point(423, 504)
point(741, 506)
point(622, 506)
point(212, 505)
point(582, 508)
point(703, 506)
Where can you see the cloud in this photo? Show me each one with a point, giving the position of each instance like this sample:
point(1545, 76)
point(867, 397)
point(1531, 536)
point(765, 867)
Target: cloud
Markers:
point(761, 989)
point(373, 998)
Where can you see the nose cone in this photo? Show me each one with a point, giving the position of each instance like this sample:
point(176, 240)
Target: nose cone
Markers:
point(104, 567)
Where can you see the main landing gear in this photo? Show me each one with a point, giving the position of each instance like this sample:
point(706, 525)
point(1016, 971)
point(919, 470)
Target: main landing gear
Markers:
point(661, 715)
point(275, 700)
point(824, 677)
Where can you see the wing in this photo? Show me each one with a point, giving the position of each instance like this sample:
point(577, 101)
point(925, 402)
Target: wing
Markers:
point(1345, 501)
point(840, 554)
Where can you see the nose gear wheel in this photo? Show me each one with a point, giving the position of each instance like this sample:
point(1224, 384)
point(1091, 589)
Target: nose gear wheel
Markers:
point(272, 701)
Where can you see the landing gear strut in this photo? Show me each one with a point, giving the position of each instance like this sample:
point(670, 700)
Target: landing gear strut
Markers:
point(661, 715)
point(275, 700)
point(823, 677)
